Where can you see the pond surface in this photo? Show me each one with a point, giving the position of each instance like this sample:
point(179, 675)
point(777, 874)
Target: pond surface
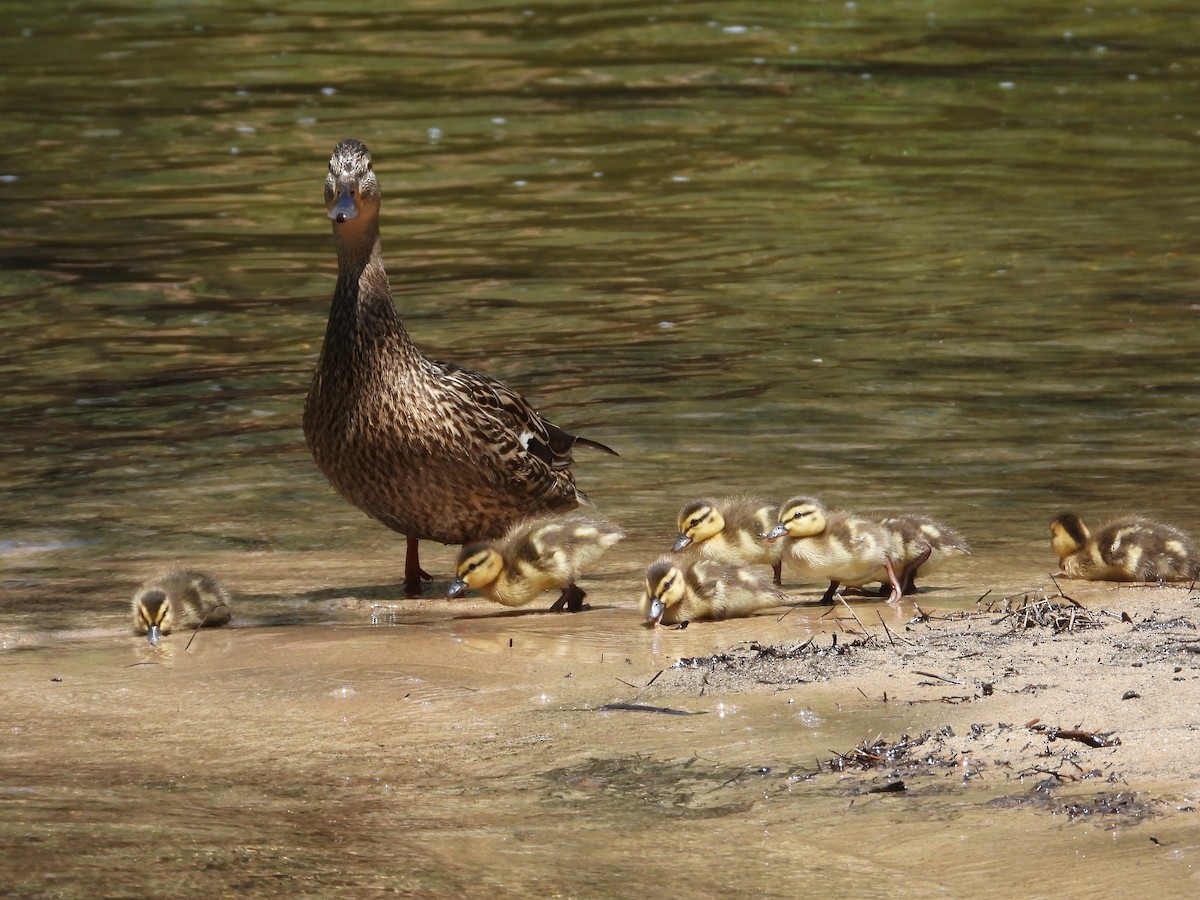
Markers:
point(936, 256)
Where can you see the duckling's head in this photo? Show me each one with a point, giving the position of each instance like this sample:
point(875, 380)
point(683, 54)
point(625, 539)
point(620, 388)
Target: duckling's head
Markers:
point(1068, 534)
point(800, 517)
point(665, 587)
point(478, 566)
point(351, 189)
point(152, 615)
point(698, 521)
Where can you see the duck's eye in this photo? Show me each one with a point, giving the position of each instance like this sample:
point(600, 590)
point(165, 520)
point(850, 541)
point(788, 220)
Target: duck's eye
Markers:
point(696, 521)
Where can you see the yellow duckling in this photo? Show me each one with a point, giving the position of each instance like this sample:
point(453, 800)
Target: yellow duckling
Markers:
point(534, 556)
point(1129, 549)
point(730, 530)
point(920, 546)
point(839, 546)
point(432, 450)
point(179, 599)
point(681, 588)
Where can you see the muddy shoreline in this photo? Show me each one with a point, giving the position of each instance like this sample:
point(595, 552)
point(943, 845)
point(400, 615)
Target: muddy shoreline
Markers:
point(437, 749)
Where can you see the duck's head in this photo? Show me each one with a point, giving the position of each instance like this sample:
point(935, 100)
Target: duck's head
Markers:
point(152, 615)
point(665, 587)
point(698, 521)
point(1068, 534)
point(478, 566)
point(800, 517)
point(351, 189)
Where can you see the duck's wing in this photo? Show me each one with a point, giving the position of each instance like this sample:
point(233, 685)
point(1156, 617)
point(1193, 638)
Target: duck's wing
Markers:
point(507, 416)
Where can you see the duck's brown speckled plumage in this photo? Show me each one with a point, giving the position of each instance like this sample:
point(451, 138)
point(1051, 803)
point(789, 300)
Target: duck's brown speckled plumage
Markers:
point(432, 450)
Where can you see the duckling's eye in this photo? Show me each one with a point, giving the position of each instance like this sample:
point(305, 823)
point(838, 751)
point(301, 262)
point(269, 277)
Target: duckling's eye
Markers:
point(696, 521)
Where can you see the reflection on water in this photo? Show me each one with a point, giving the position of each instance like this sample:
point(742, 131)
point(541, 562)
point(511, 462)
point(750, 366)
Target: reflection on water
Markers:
point(929, 257)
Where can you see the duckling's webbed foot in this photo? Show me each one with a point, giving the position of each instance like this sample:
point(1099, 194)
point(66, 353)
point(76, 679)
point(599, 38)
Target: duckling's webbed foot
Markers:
point(414, 575)
point(571, 599)
point(827, 597)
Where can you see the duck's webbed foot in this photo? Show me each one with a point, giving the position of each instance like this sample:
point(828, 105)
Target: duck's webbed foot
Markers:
point(571, 599)
point(830, 593)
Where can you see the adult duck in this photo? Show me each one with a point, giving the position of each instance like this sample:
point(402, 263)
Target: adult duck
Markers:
point(430, 449)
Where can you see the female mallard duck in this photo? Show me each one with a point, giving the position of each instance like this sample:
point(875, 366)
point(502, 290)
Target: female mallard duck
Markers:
point(840, 546)
point(534, 556)
point(179, 599)
point(1129, 549)
point(681, 588)
point(920, 546)
point(430, 449)
point(730, 530)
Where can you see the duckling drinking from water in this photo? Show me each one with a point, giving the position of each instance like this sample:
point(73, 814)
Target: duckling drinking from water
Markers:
point(681, 588)
point(1128, 549)
point(730, 530)
point(179, 599)
point(534, 556)
point(839, 546)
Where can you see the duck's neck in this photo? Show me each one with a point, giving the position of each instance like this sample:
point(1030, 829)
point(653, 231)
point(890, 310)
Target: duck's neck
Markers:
point(362, 310)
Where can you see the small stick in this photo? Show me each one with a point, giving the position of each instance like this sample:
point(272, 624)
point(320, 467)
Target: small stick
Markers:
point(853, 613)
point(891, 640)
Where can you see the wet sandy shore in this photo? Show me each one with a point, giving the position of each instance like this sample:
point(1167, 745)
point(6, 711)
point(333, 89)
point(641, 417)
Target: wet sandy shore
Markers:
point(462, 750)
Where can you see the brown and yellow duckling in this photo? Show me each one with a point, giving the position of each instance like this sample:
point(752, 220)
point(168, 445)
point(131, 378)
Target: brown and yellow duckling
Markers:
point(920, 546)
point(1128, 549)
point(179, 599)
point(403, 437)
point(839, 546)
point(730, 530)
point(687, 587)
point(535, 556)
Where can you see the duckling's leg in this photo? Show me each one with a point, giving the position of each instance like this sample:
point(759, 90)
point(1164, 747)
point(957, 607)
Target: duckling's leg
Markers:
point(413, 573)
point(777, 568)
point(827, 597)
point(897, 592)
point(908, 578)
point(572, 599)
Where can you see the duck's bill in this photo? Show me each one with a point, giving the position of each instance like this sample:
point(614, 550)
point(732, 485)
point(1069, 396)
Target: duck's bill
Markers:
point(775, 533)
point(154, 635)
point(344, 208)
point(457, 588)
point(655, 613)
point(682, 541)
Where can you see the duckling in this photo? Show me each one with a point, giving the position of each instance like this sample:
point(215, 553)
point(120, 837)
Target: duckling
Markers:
point(681, 588)
point(843, 547)
point(534, 556)
point(1129, 549)
point(921, 545)
point(179, 599)
point(731, 529)
point(403, 437)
